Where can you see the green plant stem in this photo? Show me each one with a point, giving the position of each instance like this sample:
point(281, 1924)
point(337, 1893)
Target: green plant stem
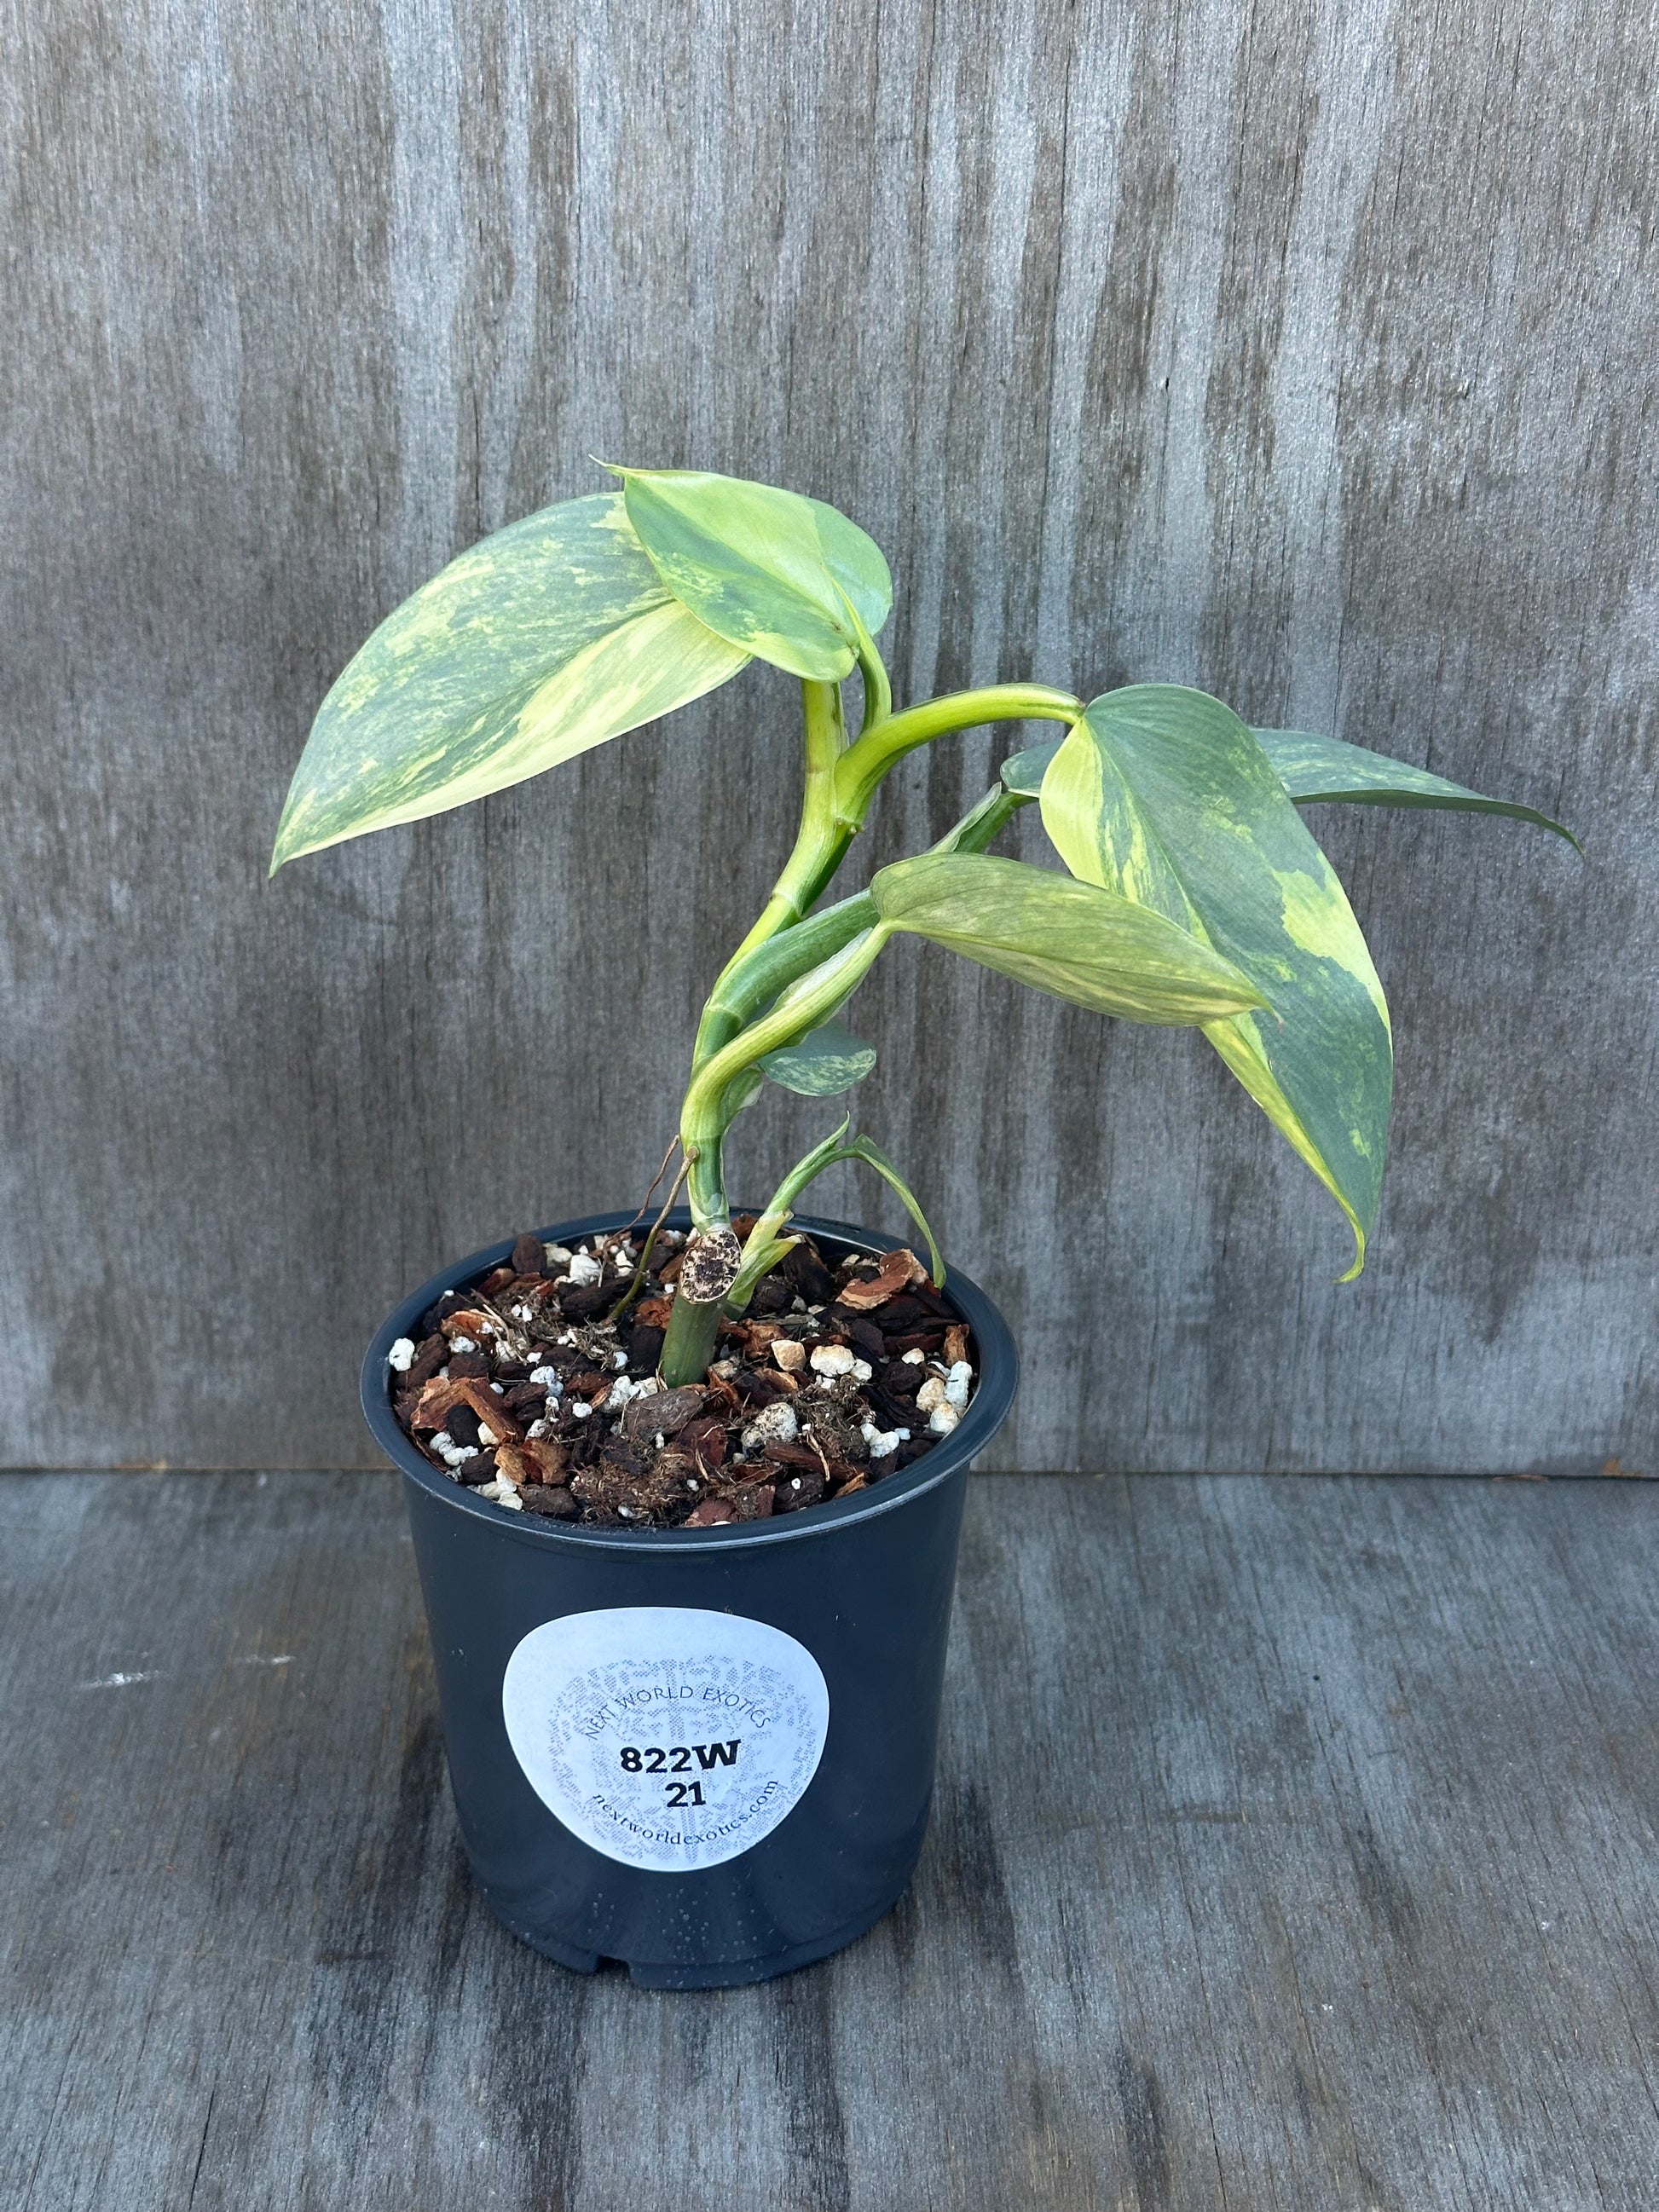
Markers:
point(766, 1243)
point(752, 979)
point(859, 770)
point(705, 1114)
point(689, 1344)
point(841, 782)
point(877, 690)
point(814, 965)
point(824, 739)
point(979, 829)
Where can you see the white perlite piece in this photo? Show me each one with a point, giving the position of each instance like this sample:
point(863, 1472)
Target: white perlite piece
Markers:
point(585, 1268)
point(462, 1344)
point(789, 1355)
point(621, 1392)
point(501, 1493)
point(401, 1356)
point(934, 1400)
point(487, 1436)
point(958, 1384)
point(547, 1379)
point(557, 1256)
point(883, 1442)
point(833, 1359)
point(773, 1424)
point(862, 1371)
point(581, 1410)
point(915, 1359)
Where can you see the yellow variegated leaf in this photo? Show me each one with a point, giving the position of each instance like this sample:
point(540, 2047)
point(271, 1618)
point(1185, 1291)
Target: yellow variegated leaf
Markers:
point(1090, 945)
point(544, 640)
point(1314, 770)
point(1163, 795)
point(786, 578)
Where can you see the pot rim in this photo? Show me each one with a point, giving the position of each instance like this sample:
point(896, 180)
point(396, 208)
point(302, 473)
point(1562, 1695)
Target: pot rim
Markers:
point(999, 1376)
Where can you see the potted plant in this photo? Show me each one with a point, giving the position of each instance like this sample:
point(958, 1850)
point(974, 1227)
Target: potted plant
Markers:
point(685, 1497)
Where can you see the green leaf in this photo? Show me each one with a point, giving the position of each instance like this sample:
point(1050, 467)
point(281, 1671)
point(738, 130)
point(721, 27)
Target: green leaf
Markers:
point(828, 1060)
point(1082, 942)
point(1163, 795)
point(1313, 769)
point(1023, 773)
point(544, 640)
point(782, 577)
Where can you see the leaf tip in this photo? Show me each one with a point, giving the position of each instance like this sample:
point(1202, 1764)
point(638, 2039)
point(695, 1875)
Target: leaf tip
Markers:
point(1359, 1266)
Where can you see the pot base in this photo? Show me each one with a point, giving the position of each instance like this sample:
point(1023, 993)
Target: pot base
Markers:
point(707, 1974)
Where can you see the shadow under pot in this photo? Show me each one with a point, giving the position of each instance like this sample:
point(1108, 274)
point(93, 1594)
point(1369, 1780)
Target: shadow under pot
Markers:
point(706, 1753)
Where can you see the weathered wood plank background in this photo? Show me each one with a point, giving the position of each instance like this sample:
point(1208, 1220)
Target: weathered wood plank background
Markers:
point(1292, 1852)
point(1306, 352)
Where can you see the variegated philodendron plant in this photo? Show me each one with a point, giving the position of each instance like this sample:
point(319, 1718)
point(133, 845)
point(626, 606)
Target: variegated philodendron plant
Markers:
point(1195, 893)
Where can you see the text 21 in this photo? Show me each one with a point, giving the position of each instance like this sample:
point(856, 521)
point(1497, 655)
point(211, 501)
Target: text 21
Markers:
point(676, 1758)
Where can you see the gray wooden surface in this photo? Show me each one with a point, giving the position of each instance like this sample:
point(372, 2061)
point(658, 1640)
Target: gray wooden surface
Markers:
point(1294, 1852)
point(1304, 351)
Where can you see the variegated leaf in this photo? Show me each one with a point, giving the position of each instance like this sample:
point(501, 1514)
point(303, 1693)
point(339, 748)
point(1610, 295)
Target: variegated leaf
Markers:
point(1163, 795)
point(1023, 773)
point(544, 640)
point(786, 578)
point(1088, 944)
point(1313, 769)
point(826, 1061)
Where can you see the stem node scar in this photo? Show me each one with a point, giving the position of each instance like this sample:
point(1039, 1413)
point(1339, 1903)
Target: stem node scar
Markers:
point(712, 1257)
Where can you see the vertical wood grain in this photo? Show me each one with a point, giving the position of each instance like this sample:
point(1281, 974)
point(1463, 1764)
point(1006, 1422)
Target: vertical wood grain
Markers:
point(1303, 352)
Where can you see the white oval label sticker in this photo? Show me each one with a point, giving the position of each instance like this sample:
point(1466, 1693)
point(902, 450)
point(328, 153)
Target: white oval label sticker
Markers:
point(665, 1737)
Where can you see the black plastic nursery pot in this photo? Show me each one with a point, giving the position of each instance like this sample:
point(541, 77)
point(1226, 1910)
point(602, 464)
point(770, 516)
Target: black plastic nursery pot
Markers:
point(705, 1753)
